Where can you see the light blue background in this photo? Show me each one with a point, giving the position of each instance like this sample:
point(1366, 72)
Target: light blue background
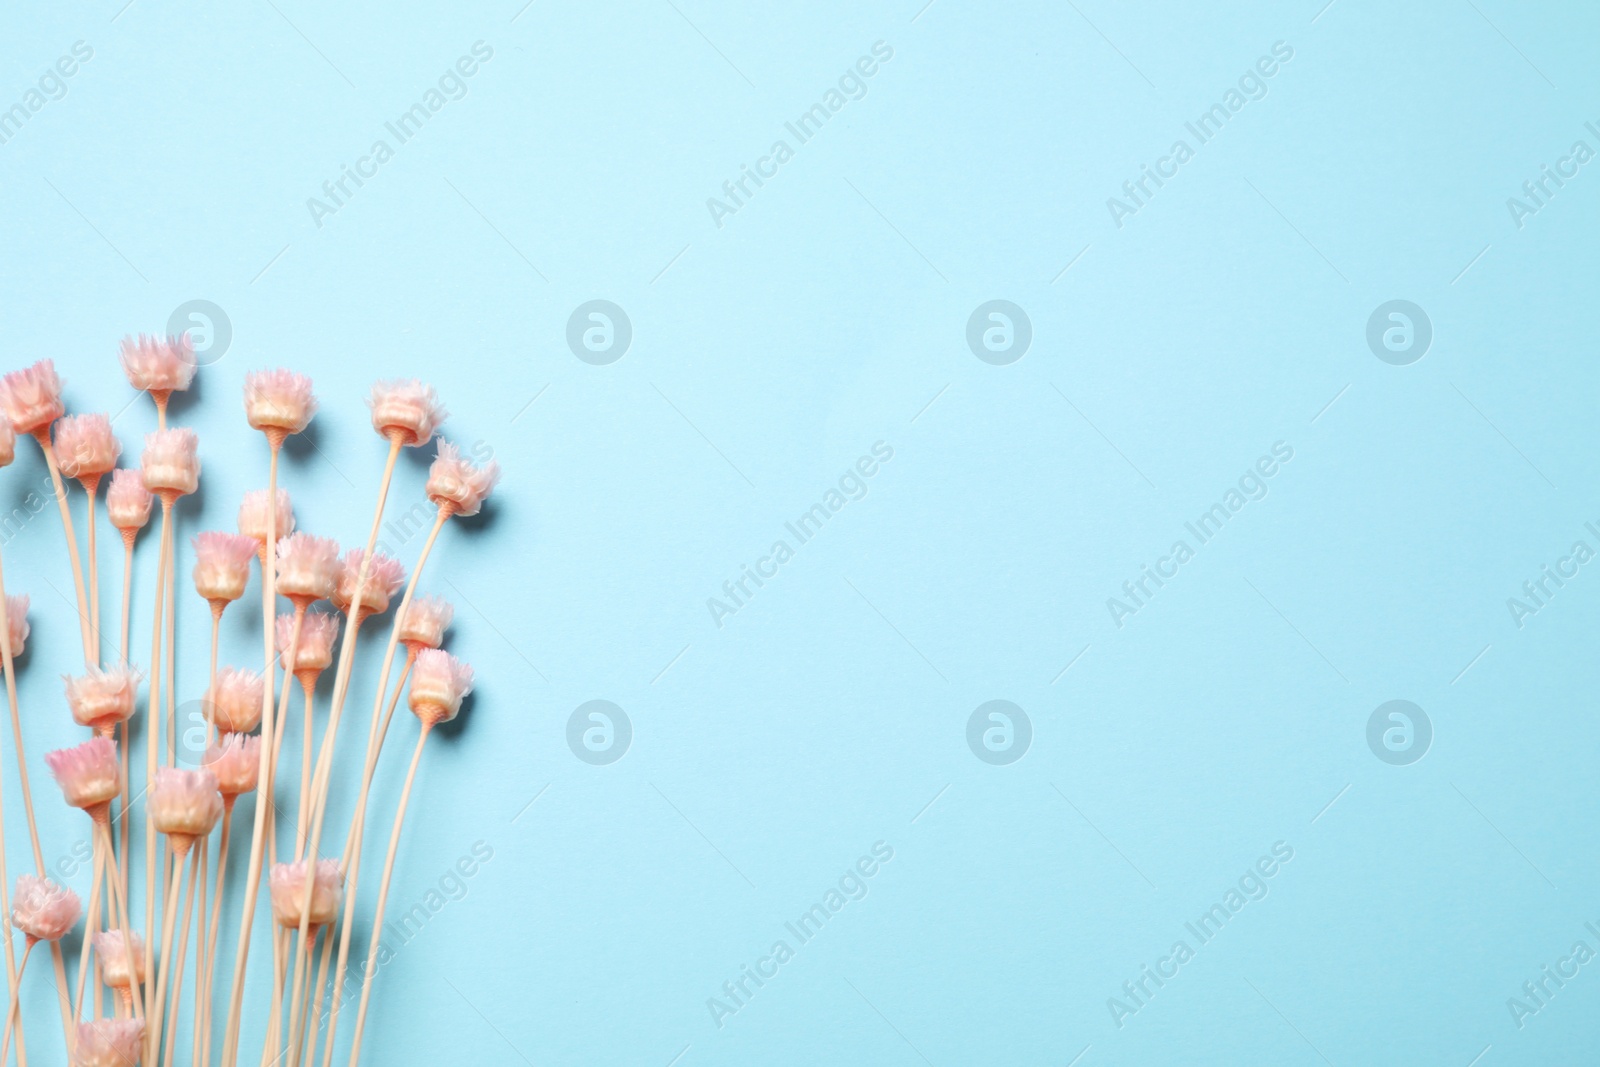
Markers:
point(768, 354)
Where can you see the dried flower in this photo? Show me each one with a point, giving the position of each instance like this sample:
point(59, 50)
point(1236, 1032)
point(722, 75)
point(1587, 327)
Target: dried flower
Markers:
point(170, 462)
point(119, 968)
point(100, 699)
point(384, 576)
point(235, 700)
point(184, 804)
point(109, 1043)
point(318, 630)
point(288, 883)
point(8, 442)
point(424, 623)
point(86, 449)
point(308, 567)
point(278, 400)
point(222, 566)
point(253, 515)
point(31, 397)
point(158, 365)
point(88, 774)
point(43, 910)
point(17, 628)
point(439, 681)
point(405, 408)
point(128, 502)
point(236, 763)
point(457, 486)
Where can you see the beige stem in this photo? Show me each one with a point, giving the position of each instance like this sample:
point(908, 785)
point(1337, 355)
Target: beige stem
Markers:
point(16, 990)
point(88, 931)
point(196, 874)
point(43, 437)
point(152, 746)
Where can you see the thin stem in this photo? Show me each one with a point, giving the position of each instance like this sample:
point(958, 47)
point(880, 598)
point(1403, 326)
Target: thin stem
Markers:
point(202, 961)
point(196, 874)
point(43, 437)
point(16, 990)
point(88, 927)
point(211, 682)
point(152, 746)
point(91, 487)
point(211, 937)
point(156, 1020)
point(102, 839)
point(304, 1048)
point(126, 743)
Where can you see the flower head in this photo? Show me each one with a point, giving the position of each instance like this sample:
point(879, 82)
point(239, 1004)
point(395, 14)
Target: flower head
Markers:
point(119, 967)
point(222, 565)
point(31, 397)
point(100, 699)
point(88, 774)
point(456, 485)
point(184, 804)
point(8, 442)
point(253, 515)
point(424, 622)
point(171, 462)
point(17, 628)
point(86, 449)
point(405, 408)
point(384, 576)
point(288, 882)
point(128, 502)
point(159, 365)
point(109, 1043)
point(308, 567)
point(43, 910)
point(278, 400)
point(318, 630)
point(236, 699)
point(236, 763)
point(439, 681)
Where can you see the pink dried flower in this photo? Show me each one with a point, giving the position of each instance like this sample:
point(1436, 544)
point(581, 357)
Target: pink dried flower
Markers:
point(236, 762)
point(171, 462)
point(88, 774)
point(158, 365)
point(100, 699)
point(17, 628)
point(318, 630)
point(8, 442)
point(119, 968)
point(278, 400)
point(86, 449)
point(384, 576)
point(424, 622)
point(222, 566)
point(439, 681)
point(184, 804)
point(31, 397)
point(109, 1043)
point(288, 882)
point(253, 515)
point(405, 408)
point(308, 567)
point(457, 486)
point(43, 910)
point(128, 502)
point(236, 699)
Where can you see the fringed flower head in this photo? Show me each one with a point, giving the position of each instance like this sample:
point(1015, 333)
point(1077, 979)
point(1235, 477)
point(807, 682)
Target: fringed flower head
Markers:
point(308, 567)
point(17, 628)
point(236, 699)
point(158, 365)
point(278, 402)
point(236, 763)
point(86, 449)
point(406, 409)
point(128, 502)
point(222, 566)
point(100, 699)
point(314, 654)
point(8, 442)
point(253, 515)
point(455, 485)
point(120, 968)
point(43, 910)
point(89, 775)
point(171, 462)
point(288, 882)
point(184, 804)
point(424, 623)
point(439, 682)
point(109, 1043)
point(31, 397)
point(384, 576)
